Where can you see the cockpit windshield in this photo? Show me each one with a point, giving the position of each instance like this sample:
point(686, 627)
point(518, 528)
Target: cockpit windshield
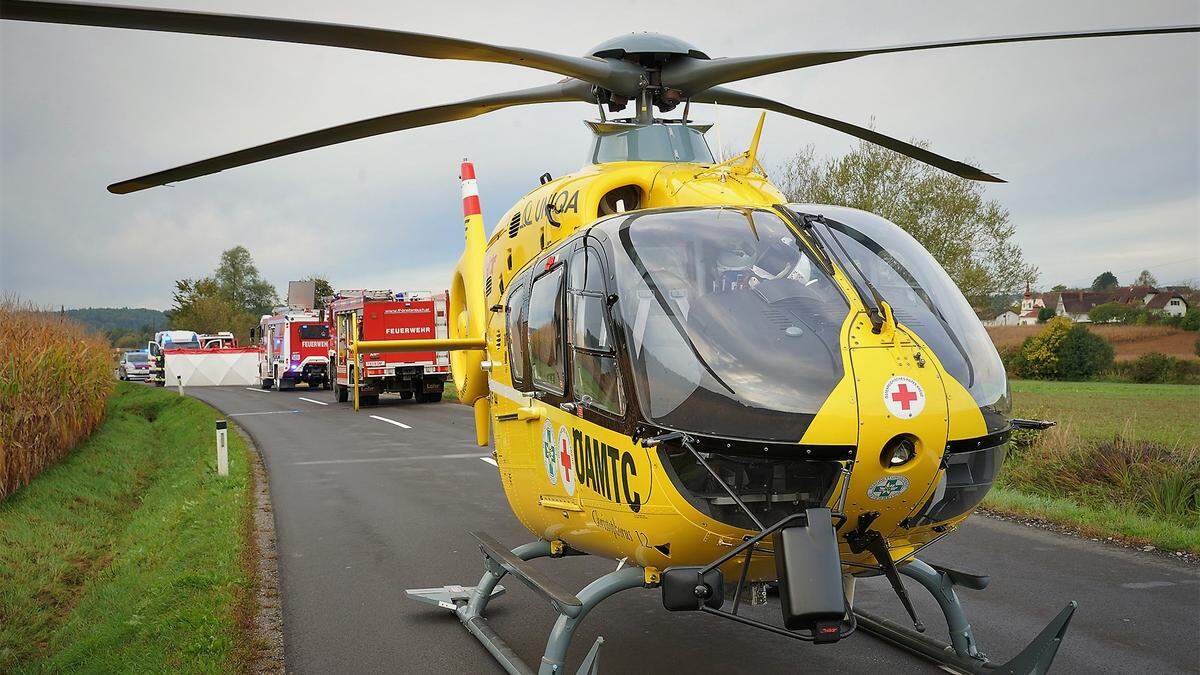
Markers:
point(922, 296)
point(731, 322)
point(649, 143)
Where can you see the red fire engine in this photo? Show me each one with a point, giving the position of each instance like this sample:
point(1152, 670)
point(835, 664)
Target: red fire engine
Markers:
point(295, 345)
point(383, 315)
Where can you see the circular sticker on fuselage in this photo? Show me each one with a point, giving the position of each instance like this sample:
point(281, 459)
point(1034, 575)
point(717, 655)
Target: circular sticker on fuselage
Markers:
point(565, 462)
point(887, 487)
point(903, 397)
point(550, 452)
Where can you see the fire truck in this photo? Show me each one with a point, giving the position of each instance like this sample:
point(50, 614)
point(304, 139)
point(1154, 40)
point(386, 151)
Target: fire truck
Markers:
point(295, 348)
point(384, 315)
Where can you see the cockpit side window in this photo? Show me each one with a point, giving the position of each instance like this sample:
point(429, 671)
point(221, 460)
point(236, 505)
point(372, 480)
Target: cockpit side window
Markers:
point(596, 377)
point(516, 317)
point(545, 331)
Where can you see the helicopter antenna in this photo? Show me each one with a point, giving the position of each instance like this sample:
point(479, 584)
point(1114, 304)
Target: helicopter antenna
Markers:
point(717, 124)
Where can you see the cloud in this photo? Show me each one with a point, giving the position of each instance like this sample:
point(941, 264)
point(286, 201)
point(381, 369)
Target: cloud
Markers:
point(1082, 130)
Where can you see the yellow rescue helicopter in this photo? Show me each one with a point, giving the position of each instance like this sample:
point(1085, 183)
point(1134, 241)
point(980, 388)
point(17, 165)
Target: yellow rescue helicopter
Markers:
point(680, 370)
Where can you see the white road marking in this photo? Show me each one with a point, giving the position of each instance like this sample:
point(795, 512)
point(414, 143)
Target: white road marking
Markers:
point(491, 461)
point(470, 455)
point(312, 400)
point(269, 412)
point(256, 389)
point(402, 425)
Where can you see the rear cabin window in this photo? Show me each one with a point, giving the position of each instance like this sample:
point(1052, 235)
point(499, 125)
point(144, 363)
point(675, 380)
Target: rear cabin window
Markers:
point(546, 331)
point(595, 376)
point(516, 316)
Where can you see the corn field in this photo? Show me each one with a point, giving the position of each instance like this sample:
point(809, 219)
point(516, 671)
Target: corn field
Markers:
point(55, 379)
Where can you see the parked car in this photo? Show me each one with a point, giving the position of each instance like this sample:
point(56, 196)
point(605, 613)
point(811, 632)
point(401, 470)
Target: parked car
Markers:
point(134, 365)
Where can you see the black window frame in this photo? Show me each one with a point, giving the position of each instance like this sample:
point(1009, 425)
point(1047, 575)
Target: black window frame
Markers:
point(583, 248)
point(523, 283)
point(556, 266)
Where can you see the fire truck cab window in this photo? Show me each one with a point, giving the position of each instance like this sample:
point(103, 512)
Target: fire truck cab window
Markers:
point(546, 331)
point(314, 332)
point(596, 378)
point(516, 316)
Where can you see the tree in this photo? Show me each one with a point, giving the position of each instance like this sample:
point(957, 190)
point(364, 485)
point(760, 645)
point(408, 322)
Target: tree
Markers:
point(1045, 314)
point(238, 280)
point(1058, 288)
point(323, 289)
point(1062, 351)
point(1105, 281)
point(969, 235)
point(232, 299)
point(1145, 278)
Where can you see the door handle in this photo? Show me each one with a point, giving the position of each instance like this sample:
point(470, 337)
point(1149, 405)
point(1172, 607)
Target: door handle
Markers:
point(523, 414)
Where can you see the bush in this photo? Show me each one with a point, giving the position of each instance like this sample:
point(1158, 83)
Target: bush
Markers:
point(1191, 320)
point(1062, 351)
point(54, 383)
point(1112, 312)
point(1045, 314)
point(1157, 368)
point(1196, 347)
point(1152, 367)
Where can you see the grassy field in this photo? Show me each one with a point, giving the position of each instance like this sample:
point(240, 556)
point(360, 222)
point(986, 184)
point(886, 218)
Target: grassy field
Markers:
point(1124, 461)
point(1129, 342)
point(1168, 414)
point(131, 554)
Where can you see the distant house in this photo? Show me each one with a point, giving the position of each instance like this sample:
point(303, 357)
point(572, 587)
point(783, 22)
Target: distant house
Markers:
point(1006, 318)
point(1171, 304)
point(1076, 304)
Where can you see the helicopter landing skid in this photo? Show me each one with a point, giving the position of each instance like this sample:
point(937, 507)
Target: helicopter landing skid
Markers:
point(470, 603)
point(963, 655)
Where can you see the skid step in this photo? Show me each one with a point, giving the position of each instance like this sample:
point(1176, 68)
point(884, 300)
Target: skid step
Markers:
point(448, 597)
point(560, 598)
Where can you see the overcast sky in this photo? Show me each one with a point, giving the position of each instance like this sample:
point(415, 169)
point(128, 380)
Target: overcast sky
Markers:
point(1100, 139)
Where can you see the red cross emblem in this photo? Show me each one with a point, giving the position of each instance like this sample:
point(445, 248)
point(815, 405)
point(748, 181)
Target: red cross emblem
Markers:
point(903, 396)
point(564, 460)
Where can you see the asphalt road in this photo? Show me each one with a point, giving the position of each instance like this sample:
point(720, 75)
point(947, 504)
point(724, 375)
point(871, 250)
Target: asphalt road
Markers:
point(366, 507)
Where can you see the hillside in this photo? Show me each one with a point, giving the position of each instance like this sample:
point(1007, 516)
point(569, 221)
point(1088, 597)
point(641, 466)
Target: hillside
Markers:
point(1129, 342)
point(118, 320)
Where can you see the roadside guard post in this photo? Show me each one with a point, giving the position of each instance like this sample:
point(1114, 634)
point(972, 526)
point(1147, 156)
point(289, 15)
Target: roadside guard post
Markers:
point(179, 380)
point(222, 448)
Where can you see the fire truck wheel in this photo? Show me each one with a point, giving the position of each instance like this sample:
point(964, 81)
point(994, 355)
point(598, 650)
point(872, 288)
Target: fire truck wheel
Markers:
point(341, 394)
point(268, 383)
point(405, 395)
point(368, 399)
point(432, 397)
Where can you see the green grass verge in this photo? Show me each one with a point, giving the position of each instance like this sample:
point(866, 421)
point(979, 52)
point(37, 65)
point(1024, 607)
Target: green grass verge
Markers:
point(1099, 522)
point(1123, 462)
point(131, 555)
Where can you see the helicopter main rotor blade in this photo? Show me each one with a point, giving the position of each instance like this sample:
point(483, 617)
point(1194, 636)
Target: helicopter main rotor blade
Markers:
point(569, 90)
point(725, 96)
point(613, 75)
point(694, 75)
